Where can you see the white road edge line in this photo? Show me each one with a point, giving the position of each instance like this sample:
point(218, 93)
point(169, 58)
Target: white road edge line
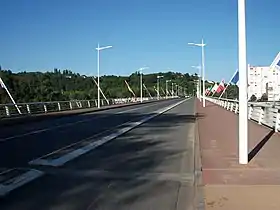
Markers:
point(78, 152)
point(80, 141)
point(19, 181)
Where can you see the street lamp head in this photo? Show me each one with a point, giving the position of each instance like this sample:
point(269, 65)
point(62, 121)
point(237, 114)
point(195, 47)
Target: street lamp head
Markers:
point(196, 67)
point(199, 45)
point(143, 68)
point(159, 76)
point(103, 48)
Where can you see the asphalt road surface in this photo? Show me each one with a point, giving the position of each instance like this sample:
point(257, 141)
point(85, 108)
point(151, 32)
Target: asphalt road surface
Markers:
point(24, 142)
point(149, 167)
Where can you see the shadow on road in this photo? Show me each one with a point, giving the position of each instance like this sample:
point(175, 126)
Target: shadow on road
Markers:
point(260, 145)
point(121, 174)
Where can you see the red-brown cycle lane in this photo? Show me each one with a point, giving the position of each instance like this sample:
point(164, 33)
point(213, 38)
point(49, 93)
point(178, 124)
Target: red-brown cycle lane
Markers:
point(227, 184)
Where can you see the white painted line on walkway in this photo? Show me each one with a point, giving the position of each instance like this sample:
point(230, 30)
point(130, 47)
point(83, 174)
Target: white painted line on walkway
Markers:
point(19, 181)
point(71, 124)
point(96, 143)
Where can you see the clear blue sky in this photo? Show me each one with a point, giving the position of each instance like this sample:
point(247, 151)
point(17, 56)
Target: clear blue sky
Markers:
point(39, 35)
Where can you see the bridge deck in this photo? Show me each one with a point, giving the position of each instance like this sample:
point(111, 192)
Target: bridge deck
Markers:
point(149, 167)
point(228, 185)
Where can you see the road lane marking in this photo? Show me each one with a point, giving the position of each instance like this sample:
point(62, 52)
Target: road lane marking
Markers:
point(69, 124)
point(60, 161)
point(11, 183)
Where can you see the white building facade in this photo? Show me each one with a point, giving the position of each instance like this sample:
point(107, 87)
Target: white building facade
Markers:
point(265, 79)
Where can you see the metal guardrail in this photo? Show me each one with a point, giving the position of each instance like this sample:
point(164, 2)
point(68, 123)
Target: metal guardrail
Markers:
point(264, 113)
point(9, 110)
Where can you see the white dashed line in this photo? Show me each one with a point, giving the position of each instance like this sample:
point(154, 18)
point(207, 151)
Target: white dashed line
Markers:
point(13, 183)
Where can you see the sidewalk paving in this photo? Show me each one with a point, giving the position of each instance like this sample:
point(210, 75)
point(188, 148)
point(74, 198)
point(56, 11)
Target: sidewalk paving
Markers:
point(227, 184)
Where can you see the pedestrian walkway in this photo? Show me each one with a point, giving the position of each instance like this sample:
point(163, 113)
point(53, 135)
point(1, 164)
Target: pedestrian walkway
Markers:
point(227, 184)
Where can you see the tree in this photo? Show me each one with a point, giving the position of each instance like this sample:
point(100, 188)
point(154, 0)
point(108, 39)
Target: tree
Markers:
point(232, 92)
point(58, 85)
point(253, 98)
point(264, 97)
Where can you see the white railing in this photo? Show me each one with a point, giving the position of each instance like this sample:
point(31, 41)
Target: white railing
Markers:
point(264, 113)
point(9, 110)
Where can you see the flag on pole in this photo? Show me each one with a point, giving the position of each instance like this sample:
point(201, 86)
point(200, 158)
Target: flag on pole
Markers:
point(129, 88)
point(207, 90)
point(214, 88)
point(235, 78)
point(221, 86)
point(278, 64)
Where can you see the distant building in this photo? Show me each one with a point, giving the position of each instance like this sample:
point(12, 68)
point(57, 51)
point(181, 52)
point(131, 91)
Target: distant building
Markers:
point(265, 80)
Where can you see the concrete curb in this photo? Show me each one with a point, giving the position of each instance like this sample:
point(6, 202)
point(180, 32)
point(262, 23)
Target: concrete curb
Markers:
point(199, 192)
point(56, 115)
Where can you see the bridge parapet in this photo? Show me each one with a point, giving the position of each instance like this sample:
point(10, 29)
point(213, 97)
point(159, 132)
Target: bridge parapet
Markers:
point(264, 113)
point(33, 108)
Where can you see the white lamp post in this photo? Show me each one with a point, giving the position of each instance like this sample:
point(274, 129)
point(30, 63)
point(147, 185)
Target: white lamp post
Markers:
point(202, 45)
point(158, 78)
point(199, 80)
point(166, 87)
point(98, 75)
point(172, 88)
point(141, 83)
point(243, 85)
